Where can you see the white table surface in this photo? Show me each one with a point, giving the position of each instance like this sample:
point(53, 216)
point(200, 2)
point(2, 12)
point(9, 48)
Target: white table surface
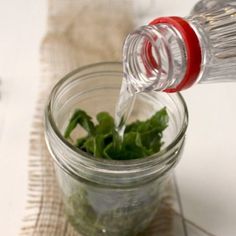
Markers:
point(207, 172)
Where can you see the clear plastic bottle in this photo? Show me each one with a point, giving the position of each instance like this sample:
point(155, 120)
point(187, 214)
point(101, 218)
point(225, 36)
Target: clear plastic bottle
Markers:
point(173, 53)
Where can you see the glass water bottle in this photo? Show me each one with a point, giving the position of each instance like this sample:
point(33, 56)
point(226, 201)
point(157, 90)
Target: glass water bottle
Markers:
point(174, 53)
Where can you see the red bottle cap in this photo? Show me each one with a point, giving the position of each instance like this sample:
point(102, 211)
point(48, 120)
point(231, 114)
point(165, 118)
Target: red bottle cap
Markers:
point(193, 50)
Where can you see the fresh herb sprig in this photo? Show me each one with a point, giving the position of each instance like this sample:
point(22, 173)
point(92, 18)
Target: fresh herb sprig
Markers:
point(141, 138)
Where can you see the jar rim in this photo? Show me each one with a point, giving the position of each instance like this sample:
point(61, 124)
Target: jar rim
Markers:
point(116, 166)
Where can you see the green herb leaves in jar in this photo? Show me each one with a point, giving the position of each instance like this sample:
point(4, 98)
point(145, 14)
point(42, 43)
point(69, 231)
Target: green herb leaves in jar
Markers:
point(140, 139)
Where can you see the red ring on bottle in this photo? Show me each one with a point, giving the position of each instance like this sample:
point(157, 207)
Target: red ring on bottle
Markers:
point(193, 50)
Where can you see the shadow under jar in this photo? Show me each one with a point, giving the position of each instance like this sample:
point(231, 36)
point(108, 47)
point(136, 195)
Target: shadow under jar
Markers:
point(108, 197)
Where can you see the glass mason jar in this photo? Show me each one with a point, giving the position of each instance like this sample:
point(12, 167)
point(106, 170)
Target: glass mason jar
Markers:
point(108, 197)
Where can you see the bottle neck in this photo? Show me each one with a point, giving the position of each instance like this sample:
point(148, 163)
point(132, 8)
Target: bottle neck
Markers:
point(164, 55)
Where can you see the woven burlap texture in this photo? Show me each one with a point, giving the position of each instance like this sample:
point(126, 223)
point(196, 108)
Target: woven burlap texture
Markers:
point(79, 33)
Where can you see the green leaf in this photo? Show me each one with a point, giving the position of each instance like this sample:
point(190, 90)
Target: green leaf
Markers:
point(132, 145)
point(108, 138)
point(82, 118)
point(160, 120)
point(131, 148)
point(148, 137)
point(89, 145)
point(80, 141)
point(105, 123)
point(110, 152)
point(141, 138)
point(116, 140)
point(99, 145)
point(156, 145)
point(133, 127)
point(112, 149)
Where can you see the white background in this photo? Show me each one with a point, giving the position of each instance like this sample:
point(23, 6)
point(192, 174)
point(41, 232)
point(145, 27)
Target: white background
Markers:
point(207, 171)
point(22, 25)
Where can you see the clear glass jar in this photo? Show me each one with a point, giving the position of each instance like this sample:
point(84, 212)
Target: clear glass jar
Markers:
point(107, 197)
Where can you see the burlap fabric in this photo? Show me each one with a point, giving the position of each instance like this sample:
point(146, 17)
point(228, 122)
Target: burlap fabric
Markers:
point(79, 33)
